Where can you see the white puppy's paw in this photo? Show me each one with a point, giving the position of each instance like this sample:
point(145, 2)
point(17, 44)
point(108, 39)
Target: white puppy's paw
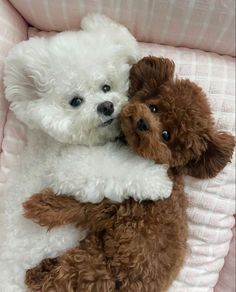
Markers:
point(147, 181)
point(159, 185)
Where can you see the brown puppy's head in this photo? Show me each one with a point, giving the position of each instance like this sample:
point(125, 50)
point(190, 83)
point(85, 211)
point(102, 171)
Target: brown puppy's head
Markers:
point(169, 120)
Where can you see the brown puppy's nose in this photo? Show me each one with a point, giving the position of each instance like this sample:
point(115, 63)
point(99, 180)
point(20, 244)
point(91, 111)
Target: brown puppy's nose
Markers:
point(142, 125)
point(106, 108)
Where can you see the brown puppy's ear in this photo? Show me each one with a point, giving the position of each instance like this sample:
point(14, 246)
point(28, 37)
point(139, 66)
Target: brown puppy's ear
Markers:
point(218, 153)
point(152, 72)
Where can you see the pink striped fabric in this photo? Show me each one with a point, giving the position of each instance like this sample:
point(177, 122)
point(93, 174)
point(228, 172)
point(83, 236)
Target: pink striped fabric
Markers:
point(206, 25)
point(13, 29)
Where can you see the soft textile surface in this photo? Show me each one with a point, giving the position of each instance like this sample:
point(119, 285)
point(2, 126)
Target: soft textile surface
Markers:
point(212, 202)
point(206, 25)
point(13, 29)
point(227, 280)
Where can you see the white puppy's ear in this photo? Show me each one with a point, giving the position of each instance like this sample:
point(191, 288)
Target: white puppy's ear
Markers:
point(24, 69)
point(115, 32)
point(25, 74)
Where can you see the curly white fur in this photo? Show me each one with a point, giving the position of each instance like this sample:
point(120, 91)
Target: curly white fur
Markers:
point(64, 148)
point(111, 171)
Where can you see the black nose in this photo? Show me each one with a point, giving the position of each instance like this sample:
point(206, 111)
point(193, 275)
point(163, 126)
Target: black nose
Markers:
point(142, 125)
point(106, 108)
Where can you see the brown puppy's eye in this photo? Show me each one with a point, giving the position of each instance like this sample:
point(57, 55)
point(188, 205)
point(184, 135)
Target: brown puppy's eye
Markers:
point(166, 135)
point(153, 108)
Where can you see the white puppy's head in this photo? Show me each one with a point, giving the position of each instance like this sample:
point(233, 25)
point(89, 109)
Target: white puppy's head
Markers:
point(73, 85)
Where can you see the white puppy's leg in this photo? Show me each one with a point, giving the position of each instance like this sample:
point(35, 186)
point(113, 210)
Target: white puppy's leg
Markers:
point(112, 171)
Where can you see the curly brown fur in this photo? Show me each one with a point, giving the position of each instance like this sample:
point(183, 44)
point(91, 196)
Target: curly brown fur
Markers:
point(135, 246)
point(195, 146)
point(124, 254)
point(52, 211)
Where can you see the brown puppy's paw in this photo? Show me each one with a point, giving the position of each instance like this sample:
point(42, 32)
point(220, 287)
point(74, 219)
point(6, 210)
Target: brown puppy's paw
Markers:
point(34, 277)
point(40, 209)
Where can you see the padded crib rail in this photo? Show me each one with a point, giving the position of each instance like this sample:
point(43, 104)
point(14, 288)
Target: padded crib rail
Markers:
point(206, 25)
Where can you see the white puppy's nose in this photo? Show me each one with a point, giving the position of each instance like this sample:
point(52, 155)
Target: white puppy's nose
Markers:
point(106, 108)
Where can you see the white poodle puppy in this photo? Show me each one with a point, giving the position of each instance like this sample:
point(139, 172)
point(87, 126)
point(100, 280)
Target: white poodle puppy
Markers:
point(73, 85)
point(68, 90)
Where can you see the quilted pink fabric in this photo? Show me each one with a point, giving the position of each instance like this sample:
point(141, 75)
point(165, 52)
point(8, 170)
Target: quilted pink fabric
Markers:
point(206, 25)
point(13, 29)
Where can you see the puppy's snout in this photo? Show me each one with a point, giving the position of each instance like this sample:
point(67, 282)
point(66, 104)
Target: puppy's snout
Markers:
point(106, 108)
point(142, 125)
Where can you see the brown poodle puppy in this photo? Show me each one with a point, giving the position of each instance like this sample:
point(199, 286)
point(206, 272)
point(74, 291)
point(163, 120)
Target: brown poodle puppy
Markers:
point(137, 246)
point(169, 120)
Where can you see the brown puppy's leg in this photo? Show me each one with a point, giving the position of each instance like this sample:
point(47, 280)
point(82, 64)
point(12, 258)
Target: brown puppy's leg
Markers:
point(148, 247)
point(36, 276)
point(82, 269)
point(145, 263)
point(50, 210)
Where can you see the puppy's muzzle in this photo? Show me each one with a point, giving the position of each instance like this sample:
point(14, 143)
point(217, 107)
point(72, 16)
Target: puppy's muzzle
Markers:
point(142, 125)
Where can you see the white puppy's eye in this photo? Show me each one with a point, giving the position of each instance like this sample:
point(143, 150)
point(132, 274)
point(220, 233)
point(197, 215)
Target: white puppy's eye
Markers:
point(106, 88)
point(76, 101)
